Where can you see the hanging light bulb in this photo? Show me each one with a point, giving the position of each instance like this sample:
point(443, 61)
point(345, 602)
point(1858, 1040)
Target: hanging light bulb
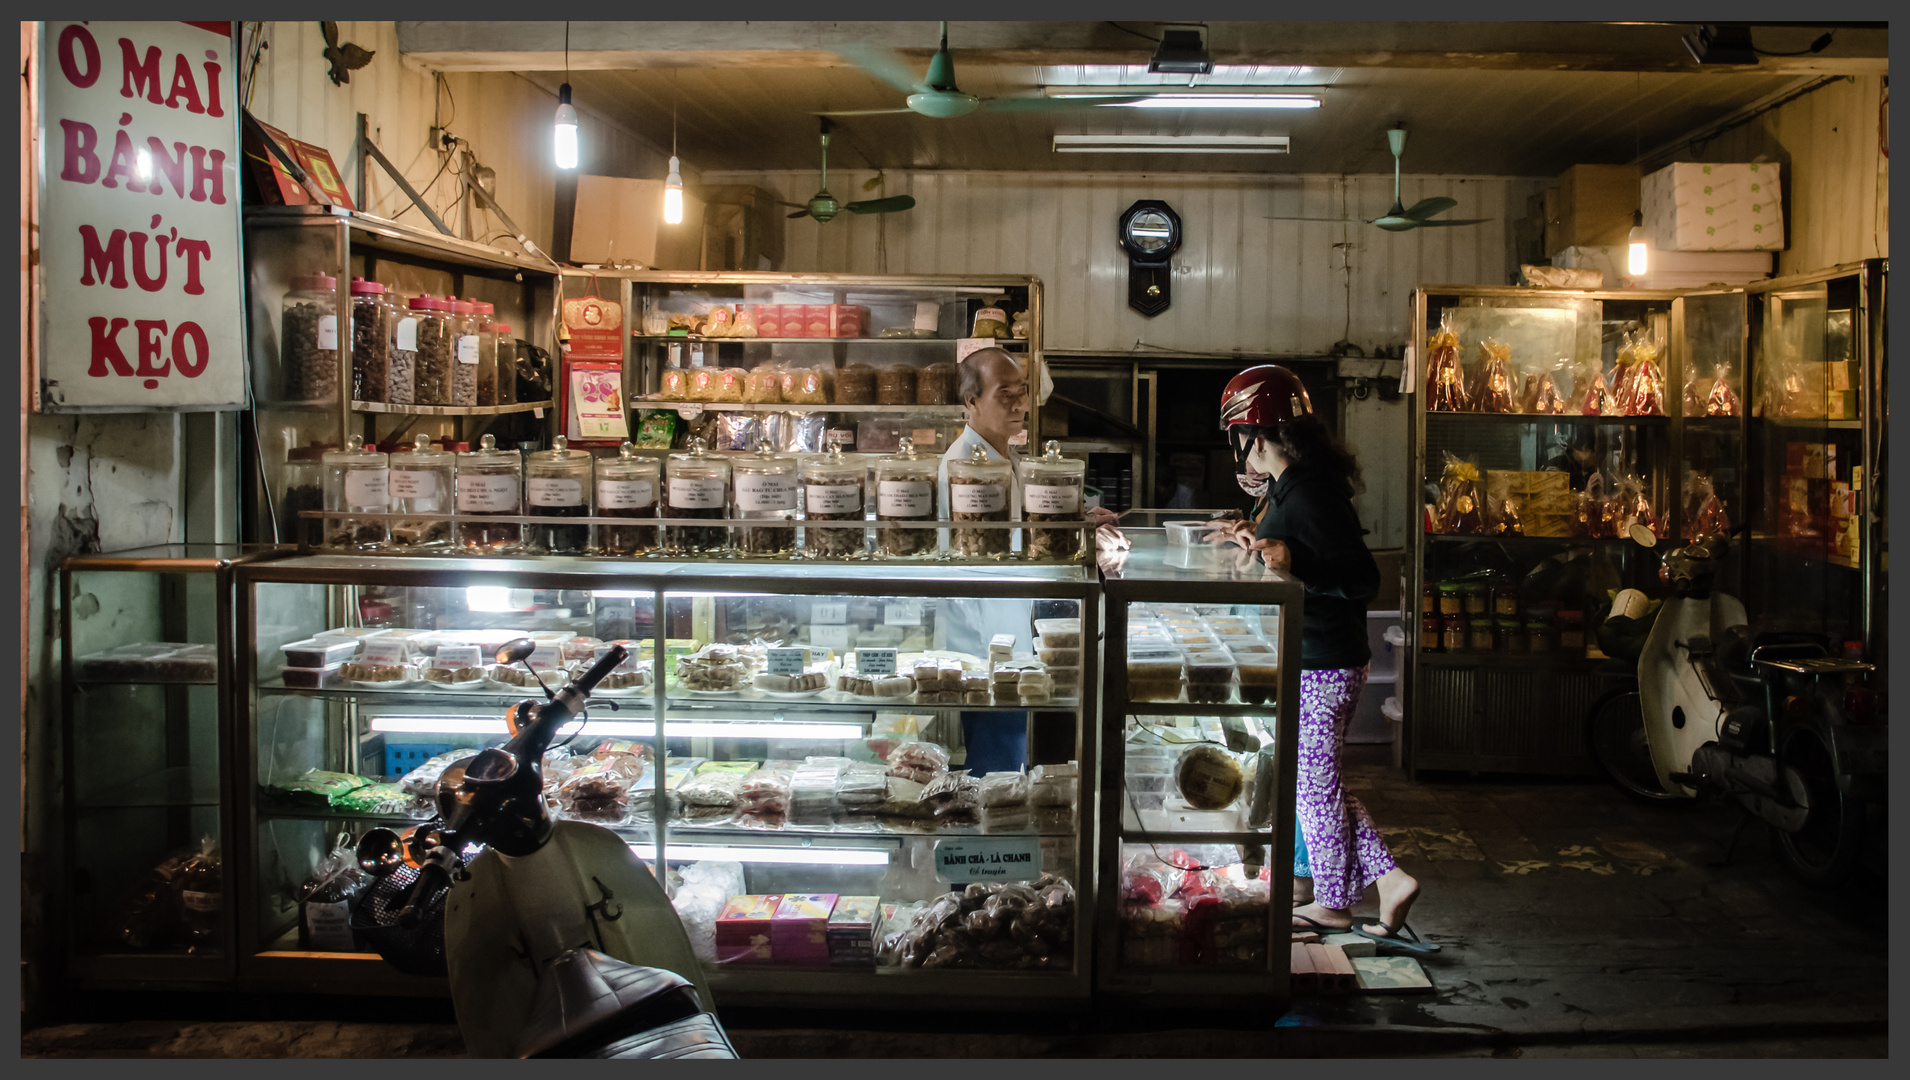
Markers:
point(1636, 262)
point(673, 195)
point(566, 129)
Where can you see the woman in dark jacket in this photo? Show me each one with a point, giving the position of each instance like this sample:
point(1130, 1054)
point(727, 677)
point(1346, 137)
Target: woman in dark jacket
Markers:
point(1310, 529)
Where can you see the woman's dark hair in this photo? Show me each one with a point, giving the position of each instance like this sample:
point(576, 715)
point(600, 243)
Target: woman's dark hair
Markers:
point(1306, 438)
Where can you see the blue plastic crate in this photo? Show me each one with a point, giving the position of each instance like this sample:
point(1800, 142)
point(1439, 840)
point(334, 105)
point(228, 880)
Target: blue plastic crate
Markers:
point(401, 758)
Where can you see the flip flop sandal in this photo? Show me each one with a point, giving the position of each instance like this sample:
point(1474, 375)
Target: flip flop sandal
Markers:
point(1402, 936)
point(1320, 928)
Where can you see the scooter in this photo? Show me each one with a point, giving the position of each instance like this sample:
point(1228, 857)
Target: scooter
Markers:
point(557, 940)
point(1759, 719)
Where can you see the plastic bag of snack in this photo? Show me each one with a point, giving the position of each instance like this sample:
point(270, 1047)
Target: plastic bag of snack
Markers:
point(764, 385)
point(675, 386)
point(707, 885)
point(918, 761)
point(764, 791)
point(622, 746)
point(1722, 401)
point(1145, 879)
point(149, 917)
point(1707, 516)
point(1633, 507)
point(1459, 511)
point(1590, 506)
point(743, 323)
point(423, 780)
point(600, 788)
point(202, 892)
point(1495, 394)
point(317, 787)
point(325, 900)
point(381, 799)
point(1542, 392)
point(862, 784)
point(953, 794)
point(1597, 399)
point(1645, 393)
point(808, 386)
point(1445, 382)
point(719, 324)
point(717, 788)
point(1004, 789)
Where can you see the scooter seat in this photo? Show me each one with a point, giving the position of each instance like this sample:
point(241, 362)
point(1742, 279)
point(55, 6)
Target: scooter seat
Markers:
point(588, 1000)
point(693, 1037)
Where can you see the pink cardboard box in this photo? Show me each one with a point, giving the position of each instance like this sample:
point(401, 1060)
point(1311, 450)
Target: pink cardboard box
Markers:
point(846, 320)
point(815, 320)
point(799, 931)
point(744, 927)
point(769, 320)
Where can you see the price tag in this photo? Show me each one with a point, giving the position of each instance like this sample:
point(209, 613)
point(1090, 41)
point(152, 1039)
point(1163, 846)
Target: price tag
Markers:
point(1003, 858)
point(902, 613)
point(875, 661)
point(925, 436)
point(384, 652)
point(458, 656)
point(787, 661)
point(544, 658)
point(825, 636)
point(829, 613)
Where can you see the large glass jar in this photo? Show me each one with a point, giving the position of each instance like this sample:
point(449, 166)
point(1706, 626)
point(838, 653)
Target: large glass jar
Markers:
point(1051, 488)
point(905, 491)
point(487, 354)
point(356, 480)
point(464, 352)
point(698, 488)
point(627, 488)
point(308, 339)
point(489, 483)
point(372, 326)
point(506, 365)
point(765, 488)
point(832, 491)
point(978, 490)
point(431, 358)
point(304, 490)
point(422, 483)
point(557, 484)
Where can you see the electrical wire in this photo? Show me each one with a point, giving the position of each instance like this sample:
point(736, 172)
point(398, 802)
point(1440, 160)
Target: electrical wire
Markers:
point(1816, 47)
point(1136, 33)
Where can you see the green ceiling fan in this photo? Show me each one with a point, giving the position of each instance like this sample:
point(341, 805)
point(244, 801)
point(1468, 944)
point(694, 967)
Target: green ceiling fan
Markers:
point(823, 206)
point(1401, 218)
point(936, 95)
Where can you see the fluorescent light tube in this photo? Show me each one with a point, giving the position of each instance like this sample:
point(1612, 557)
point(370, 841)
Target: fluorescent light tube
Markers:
point(1171, 144)
point(628, 729)
point(810, 856)
point(1194, 97)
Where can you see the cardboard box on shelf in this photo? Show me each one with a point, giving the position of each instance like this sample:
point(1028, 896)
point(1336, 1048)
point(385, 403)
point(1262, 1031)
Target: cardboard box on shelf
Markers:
point(798, 931)
point(1691, 206)
point(1593, 208)
point(617, 218)
point(851, 931)
point(743, 929)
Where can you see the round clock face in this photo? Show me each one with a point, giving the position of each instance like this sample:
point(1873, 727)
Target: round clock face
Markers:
point(1149, 231)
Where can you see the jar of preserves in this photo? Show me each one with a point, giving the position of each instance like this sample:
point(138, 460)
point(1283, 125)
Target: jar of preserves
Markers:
point(1051, 489)
point(431, 359)
point(1571, 631)
point(356, 480)
point(1475, 599)
point(979, 487)
point(422, 483)
point(1505, 600)
point(506, 365)
point(895, 385)
point(1480, 638)
point(697, 487)
point(627, 488)
point(308, 339)
point(1449, 602)
point(1538, 636)
point(373, 319)
point(1429, 637)
point(1452, 633)
point(486, 354)
point(905, 491)
point(489, 485)
point(832, 491)
point(557, 484)
point(1428, 600)
point(463, 329)
point(765, 488)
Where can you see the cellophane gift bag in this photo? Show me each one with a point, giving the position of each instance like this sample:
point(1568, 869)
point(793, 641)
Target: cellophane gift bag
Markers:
point(1722, 401)
point(1445, 382)
point(1705, 515)
point(1632, 507)
point(1495, 379)
point(1542, 392)
point(1645, 396)
point(1460, 510)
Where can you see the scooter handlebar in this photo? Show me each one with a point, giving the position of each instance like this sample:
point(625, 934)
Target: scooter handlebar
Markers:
point(433, 874)
point(605, 664)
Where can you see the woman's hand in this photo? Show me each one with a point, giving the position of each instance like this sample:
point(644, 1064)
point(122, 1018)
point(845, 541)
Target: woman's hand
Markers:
point(1274, 553)
point(1107, 537)
point(1229, 531)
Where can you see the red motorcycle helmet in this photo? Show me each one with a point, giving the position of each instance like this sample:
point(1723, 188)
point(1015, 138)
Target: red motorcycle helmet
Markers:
point(1262, 397)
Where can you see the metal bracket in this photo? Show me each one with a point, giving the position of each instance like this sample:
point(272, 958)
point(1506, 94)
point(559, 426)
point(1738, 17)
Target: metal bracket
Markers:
point(368, 152)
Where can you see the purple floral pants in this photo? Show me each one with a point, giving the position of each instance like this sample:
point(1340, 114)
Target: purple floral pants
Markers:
point(1345, 849)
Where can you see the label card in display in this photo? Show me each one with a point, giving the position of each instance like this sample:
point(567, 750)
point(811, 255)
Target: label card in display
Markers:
point(328, 332)
point(692, 493)
point(905, 498)
point(467, 348)
point(367, 489)
point(495, 494)
point(407, 335)
point(1003, 858)
point(759, 492)
point(625, 494)
point(902, 613)
point(413, 484)
point(383, 652)
point(977, 498)
point(830, 636)
point(554, 491)
point(843, 437)
point(787, 661)
point(458, 656)
point(875, 661)
point(829, 613)
point(1051, 499)
point(834, 498)
point(544, 658)
point(328, 927)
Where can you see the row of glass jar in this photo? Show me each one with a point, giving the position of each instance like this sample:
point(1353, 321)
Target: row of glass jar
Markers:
point(1456, 633)
point(696, 484)
point(425, 350)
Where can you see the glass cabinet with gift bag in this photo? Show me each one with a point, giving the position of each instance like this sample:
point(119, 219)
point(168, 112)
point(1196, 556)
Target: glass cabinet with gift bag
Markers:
point(863, 784)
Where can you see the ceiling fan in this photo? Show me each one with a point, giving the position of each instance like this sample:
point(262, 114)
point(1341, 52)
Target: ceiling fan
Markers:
point(823, 206)
point(1400, 218)
point(936, 95)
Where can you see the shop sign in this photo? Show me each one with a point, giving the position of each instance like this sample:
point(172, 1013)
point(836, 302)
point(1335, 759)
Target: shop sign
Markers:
point(974, 858)
point(140, 259)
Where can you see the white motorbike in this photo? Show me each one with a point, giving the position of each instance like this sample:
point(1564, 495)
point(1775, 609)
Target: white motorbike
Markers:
point(557, 940)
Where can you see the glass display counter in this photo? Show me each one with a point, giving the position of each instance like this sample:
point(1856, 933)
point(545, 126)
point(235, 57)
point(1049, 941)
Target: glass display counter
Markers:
point(1199, 757)
point(881, 746)
point(146, 638)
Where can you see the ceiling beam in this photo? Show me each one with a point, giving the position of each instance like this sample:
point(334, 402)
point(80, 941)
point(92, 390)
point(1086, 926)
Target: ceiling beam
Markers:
point(1642, 47)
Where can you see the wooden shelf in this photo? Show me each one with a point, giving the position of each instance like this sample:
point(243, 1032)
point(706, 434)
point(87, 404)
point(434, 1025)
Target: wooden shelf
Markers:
point(447, 410)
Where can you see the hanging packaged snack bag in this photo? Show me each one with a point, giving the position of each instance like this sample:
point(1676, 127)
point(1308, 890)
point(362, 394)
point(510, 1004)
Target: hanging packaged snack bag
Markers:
point(1445, 383)
point(1495, 379)
point(1459, 511)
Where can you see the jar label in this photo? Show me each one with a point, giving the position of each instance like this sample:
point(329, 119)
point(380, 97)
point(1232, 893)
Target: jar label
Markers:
point(328, 331)
point(843, 437)
point(467, 348)
point(905, 498)
point(759, 491)
point(696, 493)
point(408, 335)
point(554, 491)
point(200, 901)
point(834, 498)
point(487, 494)
point(367, 488)
point(1049, 499)
point(413, 484)
point(977, 498)
point(328, 927)
point(625, 494)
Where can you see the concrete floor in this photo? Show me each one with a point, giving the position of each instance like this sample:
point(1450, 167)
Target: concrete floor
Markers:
point(1574, 924)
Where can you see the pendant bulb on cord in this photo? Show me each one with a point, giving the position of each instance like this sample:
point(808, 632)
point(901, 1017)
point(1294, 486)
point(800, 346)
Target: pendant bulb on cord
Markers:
point(673, 183)
point(1637, 258)
point(565, 145)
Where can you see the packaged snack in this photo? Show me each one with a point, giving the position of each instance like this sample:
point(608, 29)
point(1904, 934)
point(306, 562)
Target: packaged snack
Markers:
point(1597, 399)
point(716, 784)
point(1445, 383)
point(1542, 393)
point(1707, 518)
point(1495, 379)
point(807, 386)
point(918, 761)
point(705, 891)
point(953, 795)
point(423, 780)
point(325, 900)
point(380, 799)
point(1000, 789)
point(798, 931)
point(764, 793)
point(1053, 785)
point(1459, 511)
point(657, 429)
point(764, 385)
point(1722, 401)
point(861, 784)
point(851, 931)
point(1059, 633)
point(675, 385)
point(1645, 395)
point(743, 928)
point(601, 788)
point(855, 385)
point(1634, 508)
point(316, 787)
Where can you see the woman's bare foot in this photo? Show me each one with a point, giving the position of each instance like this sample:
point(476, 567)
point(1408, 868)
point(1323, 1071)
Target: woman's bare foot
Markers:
point(1302, 891)
point(1397, 892)
point(1335, 918)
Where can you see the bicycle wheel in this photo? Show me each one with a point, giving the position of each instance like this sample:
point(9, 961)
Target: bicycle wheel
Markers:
point(1615, 728)
point(1823, 852)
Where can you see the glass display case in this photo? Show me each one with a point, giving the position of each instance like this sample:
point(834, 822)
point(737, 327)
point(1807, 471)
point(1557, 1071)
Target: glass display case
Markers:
point(1199, 756)
point(881, 748)
point(146, 637)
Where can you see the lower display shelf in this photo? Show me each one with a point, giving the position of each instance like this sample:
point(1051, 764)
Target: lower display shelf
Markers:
point(155, 970)
point(1051, 825)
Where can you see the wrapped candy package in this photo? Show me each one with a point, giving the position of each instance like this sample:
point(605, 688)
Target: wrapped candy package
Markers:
point(1445, 382)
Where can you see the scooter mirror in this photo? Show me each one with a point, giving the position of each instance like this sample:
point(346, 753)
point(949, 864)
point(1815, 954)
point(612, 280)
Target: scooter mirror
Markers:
point(1642, 535)
point(515, 650)
point(380, 852)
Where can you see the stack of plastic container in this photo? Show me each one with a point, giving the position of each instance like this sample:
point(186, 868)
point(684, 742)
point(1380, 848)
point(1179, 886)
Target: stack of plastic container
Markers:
point(1205, 655)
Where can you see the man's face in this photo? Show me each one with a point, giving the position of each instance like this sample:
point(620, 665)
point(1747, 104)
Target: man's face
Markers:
point(1003, 404)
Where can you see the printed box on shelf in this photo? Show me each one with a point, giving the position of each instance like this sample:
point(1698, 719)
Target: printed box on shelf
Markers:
point(798, 931)
point(1693, 206)
point(743, 927)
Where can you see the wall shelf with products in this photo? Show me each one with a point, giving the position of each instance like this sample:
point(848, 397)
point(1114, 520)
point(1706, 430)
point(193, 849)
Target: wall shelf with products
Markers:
point(448, 410)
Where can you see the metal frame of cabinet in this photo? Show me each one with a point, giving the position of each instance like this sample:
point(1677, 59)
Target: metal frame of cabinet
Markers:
point(267, 969)
point(1220, 579)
